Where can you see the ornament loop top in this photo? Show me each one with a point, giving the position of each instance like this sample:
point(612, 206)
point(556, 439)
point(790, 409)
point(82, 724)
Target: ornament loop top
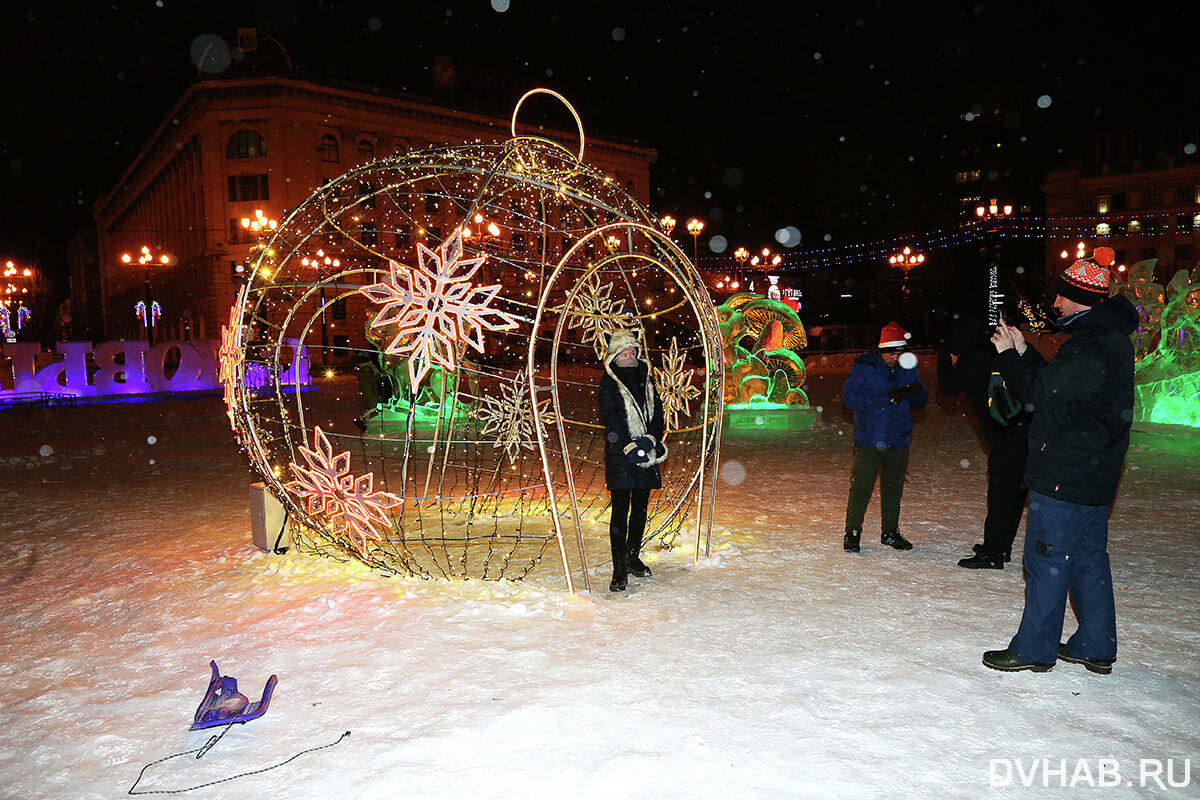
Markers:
point(565, 102)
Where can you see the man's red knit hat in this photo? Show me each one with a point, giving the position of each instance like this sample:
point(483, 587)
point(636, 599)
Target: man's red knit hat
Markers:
point(1086, 281)
point(893, 337)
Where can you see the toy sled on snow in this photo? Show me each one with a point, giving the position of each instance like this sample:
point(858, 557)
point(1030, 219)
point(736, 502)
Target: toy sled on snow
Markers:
point(223, 704)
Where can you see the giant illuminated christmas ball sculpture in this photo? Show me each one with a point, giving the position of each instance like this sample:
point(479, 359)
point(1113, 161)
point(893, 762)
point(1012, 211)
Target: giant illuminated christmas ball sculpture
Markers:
point(471, 288)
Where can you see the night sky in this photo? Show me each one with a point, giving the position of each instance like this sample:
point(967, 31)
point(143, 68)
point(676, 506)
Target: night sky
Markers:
point(840, 119)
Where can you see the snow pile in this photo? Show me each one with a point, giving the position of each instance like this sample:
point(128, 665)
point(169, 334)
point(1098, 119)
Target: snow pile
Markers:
point(778, 666)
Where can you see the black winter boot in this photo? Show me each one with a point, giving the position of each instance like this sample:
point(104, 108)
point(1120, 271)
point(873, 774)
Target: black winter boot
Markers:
point(636, 567)
point(894, 539)
point(620, 578)
point(979, 549)
point(982, 561)
point(850, 541)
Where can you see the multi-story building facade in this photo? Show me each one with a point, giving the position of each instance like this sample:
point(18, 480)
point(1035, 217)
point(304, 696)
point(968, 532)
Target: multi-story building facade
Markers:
point(1137, 194)
point(237, 145)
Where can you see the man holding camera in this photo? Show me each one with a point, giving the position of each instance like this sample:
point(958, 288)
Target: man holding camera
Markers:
point(1082, 405)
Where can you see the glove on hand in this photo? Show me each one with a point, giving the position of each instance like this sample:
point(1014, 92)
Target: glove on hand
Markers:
point(639, 451)
point(660, 451)
point(901, 393)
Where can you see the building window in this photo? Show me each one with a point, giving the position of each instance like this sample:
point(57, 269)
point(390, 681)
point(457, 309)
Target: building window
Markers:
point(237, 269)
point(1103, 203)
point(1196, 222)
point(338, 309)
point(235, 231)
point(366, 149)
point(248, 187)
point(1118, 201)
point(403, 239)
point(1183, 256)
point(967, 176)
point(1103, 229)
point(366, 191)
point(431, 204)
point(1186, 195)
point(1150, 197)
point(246, 144)
point(370, 234)
point(1134, 226)
point(328, 149)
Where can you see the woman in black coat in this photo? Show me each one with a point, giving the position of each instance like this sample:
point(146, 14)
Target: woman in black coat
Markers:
point(633, 419)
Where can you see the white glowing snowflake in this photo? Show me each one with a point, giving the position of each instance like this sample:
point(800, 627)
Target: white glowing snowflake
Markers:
point(597, 313)
point(435, 308)
point(346, 501)
point(231, 358)
point(674, 384)
point(509, 417)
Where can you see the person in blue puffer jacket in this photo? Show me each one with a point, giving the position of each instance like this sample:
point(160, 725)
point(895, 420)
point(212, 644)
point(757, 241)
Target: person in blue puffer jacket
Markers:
point(882, 390)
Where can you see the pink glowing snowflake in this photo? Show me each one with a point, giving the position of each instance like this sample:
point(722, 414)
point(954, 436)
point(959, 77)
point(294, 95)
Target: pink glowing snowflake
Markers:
point(346, 501)
point(435, 307)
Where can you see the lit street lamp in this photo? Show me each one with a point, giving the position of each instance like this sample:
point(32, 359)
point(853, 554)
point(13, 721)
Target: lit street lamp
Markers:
point(15, 294)
point(324, 265)
point(667, 223)
point(694, 226)
point(991, 215)
point(906, 260)
point(146, 258)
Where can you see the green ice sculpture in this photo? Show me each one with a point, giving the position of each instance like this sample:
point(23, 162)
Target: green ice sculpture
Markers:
point(763, 381)
point(1167, 345)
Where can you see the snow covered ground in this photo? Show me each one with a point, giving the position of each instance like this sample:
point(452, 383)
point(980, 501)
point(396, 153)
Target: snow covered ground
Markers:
point(778, 667)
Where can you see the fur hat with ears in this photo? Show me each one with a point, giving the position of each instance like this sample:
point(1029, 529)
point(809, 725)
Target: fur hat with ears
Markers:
point(1086, 281)
point(617, 341)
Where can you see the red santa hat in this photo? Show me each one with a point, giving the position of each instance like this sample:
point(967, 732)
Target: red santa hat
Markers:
point(893, 337)
point(1086, 281)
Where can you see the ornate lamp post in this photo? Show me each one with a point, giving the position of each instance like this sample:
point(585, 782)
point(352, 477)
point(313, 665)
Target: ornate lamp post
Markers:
point(667, 223)
point(991, 216)
point(694, 226)
point(324, 265)
point(906, 260)
point(14, 295)
point(147, 258)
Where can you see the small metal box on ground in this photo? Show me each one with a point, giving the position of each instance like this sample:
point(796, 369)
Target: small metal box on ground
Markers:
point(268, 520)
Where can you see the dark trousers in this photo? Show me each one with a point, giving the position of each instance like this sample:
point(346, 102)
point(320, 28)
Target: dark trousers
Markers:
point(627, 525)
point(1006, 494)
point(891, 467)
point(1066, 552)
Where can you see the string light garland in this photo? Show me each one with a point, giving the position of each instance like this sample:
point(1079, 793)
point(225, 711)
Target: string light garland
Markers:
point(474, 280)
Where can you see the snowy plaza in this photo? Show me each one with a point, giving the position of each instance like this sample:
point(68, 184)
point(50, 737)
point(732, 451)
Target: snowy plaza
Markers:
point(778, 666)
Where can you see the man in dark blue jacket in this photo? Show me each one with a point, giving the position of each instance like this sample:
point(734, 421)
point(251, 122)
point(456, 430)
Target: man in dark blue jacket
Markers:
point(1082, 404)
point(881, 390)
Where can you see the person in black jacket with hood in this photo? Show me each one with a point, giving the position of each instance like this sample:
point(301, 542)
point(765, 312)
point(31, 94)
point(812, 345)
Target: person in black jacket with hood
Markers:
point(1082, 404)
point(632, 412)
point(967, 364)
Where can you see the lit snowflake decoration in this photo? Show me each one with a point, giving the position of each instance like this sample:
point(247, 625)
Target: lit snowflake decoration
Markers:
point(596, 313)
point(346, 501)
point(231, 358)
point(435, 307)
point(674, 384)
point(509, 417)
